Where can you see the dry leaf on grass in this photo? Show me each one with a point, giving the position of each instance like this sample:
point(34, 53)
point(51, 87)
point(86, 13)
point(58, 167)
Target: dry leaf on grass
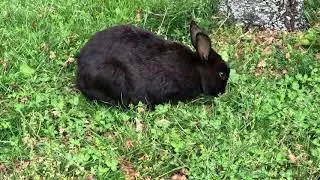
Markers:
point(240, 53)
point(258, 72)
point(142, 156)
point(3, 107)
point(89, 137)
point(292, 158)
point(64, 135)
point(284, 71)
point(90, 177)
point(88, 131)
point(267, 51)
point(24, 100)
point(260, 68)
point(128, 169)
point(181, 175)
point(296, 46)
point(21, 166)
point(318, 56)
point(69, 61)
point(266, 37)
point(29, 141)
point(44, 47)
point(273, 73)
point(55, 114)
point(288, 55)
point(3, 168)
point(40, 159)
point(279, 44)
point(4, 63)
point(52, 55)
point(138, 14)
point(299, 146)
point(138, 125)
point(34, 25)
point(129, 144)
point(42, 140)
point(62, 131)
point(312, 170)
point(72, 37)
point(178, 177)
point(141, 109)
point(261, 64)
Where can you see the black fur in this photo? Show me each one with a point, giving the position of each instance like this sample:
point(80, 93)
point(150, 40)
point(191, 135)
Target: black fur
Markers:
point(126, 64)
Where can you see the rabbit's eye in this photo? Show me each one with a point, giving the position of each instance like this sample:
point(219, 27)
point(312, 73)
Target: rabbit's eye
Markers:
point(222, 75)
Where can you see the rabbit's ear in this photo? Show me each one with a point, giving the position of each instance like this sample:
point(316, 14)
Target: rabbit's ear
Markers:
point(194, 30)
point(203, 46)
point(200, 41)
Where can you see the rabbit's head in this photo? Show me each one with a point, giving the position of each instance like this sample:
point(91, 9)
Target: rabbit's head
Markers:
point(213, 69)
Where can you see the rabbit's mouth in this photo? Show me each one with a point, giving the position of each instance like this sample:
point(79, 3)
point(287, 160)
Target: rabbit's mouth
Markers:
point(214, 91)
point(219, 90)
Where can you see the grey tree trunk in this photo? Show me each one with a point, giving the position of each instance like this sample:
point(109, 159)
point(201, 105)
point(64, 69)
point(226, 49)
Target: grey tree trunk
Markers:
point(274, 14)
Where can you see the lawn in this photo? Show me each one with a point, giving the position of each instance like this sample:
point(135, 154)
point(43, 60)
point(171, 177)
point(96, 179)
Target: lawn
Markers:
point(266, 126)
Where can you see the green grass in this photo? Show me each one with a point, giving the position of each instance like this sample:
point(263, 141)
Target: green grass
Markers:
point(267, 125)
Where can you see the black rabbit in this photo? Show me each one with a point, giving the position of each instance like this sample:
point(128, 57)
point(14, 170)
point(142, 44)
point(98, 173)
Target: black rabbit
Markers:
point(126, 64)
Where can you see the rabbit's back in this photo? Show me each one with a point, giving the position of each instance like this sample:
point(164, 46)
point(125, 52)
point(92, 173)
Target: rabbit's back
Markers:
point(123, 41)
